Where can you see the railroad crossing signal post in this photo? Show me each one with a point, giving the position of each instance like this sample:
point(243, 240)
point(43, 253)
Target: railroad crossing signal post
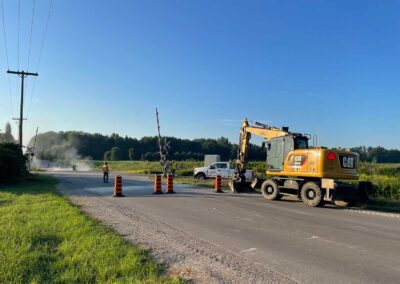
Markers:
point(21, 74)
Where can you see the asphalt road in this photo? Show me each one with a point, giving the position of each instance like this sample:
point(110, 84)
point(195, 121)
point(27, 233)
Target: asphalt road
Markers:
point(309, 245)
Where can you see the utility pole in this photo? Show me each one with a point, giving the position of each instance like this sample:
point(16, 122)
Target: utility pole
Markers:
point(21, 74)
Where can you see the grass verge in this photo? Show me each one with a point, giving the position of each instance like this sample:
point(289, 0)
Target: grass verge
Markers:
point(210, 183)
point(391, 206)
point(182, 168)
point(43, 238)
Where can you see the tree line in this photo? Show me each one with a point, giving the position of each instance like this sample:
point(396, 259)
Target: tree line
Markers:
point(74, 144)
point(77, 145)
point(377, 154)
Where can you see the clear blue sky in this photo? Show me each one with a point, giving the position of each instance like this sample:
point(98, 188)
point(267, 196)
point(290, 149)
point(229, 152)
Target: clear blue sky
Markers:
point(330, 68)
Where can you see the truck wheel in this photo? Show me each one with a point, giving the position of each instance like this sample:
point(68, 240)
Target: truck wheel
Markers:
point(201, 176)
point(270, 190)
point(311, 194)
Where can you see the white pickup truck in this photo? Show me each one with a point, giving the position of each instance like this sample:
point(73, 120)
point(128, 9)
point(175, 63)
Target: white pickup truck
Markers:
point(223, 169)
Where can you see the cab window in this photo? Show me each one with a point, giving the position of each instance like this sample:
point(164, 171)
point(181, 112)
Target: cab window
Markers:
point(301, 144)
point(221, 166)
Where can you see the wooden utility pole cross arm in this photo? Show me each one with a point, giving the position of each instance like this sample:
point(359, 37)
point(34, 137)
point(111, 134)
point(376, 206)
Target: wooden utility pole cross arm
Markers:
point(22, 73)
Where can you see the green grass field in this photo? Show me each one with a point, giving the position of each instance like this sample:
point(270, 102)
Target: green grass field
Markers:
point(43, 238)
point(205, 183)
point(184, 168)
point(382, 205)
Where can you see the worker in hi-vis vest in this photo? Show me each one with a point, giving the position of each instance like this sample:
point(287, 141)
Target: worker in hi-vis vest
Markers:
point(105, 172)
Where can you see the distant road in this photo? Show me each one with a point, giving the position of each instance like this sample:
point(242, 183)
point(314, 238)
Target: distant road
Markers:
point(235, 238)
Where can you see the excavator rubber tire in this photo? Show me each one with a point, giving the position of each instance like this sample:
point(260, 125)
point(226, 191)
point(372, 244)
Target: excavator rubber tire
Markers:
point(311, 195)
point(240, 187)
point(270, 190)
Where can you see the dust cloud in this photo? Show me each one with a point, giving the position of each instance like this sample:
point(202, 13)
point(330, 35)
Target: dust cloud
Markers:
point(56, 154)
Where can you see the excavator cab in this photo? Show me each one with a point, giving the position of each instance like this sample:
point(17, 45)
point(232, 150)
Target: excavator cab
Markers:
point(278, 149)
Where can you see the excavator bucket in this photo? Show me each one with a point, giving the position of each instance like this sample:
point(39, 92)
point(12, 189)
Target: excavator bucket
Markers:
point(238, 186)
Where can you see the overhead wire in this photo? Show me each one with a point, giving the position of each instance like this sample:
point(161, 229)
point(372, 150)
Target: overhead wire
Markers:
point(29, 51)
point(19, 24)
point(5, 34)
point(18, 46)
point(19, 20)
point(30, 37)
point(40, 55)
point(7, 60)
point(30, 40)
point(44, 35)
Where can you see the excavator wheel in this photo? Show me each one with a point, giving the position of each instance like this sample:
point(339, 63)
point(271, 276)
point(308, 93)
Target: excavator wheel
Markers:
point(270, 190)
point(238, 186)
point(311, 195)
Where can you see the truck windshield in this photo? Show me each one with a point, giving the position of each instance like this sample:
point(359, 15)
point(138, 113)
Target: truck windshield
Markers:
point(301, 143)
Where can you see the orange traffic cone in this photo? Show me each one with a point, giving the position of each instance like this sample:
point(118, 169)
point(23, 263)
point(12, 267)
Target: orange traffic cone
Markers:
point(218, 184)
point(170, 184)
point(118, 187)
point(157, 184)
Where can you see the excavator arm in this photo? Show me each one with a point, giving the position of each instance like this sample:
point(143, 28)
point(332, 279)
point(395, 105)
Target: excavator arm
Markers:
point(246, 130)
point(239, 184)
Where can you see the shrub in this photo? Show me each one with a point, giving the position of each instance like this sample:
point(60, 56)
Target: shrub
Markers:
point(12, 162)
point(392, 170)
point(386, 187)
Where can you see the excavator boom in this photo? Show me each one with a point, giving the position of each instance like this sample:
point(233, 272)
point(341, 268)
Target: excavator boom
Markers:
point(262, 130)
point(239, 183)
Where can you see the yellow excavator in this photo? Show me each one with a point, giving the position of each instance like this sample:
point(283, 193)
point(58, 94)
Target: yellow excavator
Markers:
point(314, 174)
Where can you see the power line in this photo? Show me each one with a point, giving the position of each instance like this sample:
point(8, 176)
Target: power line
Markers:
point(8, 63)
point(19, 16)
point(40, 55)
point(11, 100)
point(5, 35)
point(30, 38)
point(44, 35)
point(31, 95)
